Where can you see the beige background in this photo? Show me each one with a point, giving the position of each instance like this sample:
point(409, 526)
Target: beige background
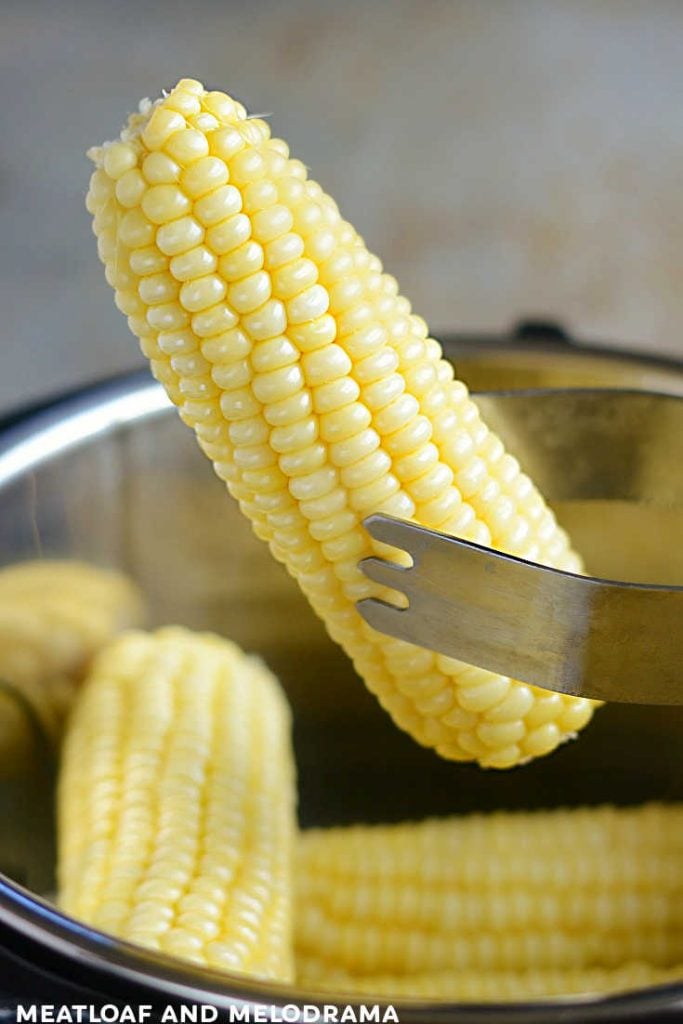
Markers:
point(505, 157)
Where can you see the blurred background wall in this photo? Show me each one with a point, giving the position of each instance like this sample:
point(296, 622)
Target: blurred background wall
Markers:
point(504, 157)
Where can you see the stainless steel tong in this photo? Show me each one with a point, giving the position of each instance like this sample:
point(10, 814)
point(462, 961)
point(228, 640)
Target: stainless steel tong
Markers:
point(591, 637)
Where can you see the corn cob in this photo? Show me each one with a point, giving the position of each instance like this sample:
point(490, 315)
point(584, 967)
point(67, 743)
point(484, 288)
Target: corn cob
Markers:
point(318, 396)
point(533, 892)
point(53, 617)
point(492, 986)
point(176, 803)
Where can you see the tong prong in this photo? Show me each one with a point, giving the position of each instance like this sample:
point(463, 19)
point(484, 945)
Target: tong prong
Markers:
point(396, 533)
point(573, 634)
point(383, 617)
point(387, 573)
point(586, 636)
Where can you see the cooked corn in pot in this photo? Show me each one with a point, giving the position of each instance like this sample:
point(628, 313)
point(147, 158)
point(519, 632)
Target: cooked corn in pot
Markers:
point(507, 905)
point(54, 616)
point(176, 809)
point(318, 395)
point(498, 986)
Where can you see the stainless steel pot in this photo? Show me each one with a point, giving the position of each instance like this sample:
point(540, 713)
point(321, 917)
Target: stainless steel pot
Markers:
point(110, 475)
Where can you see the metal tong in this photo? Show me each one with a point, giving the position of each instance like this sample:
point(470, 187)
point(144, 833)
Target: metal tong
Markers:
point(590, 637)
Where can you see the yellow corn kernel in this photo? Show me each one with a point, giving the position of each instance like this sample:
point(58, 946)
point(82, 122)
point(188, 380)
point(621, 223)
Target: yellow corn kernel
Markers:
point(176, 809)
point(54, 616)
point(525, 892)
point(276, 261)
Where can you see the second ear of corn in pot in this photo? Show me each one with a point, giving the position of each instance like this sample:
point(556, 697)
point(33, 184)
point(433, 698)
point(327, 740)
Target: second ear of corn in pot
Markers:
point(318, 395)
point(176, 811)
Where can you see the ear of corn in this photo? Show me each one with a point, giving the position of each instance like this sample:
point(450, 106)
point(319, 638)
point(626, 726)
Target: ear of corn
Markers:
point(176, 803)
point(54, 616)
point(529, 893)
point(493, 986)
point(318, 396)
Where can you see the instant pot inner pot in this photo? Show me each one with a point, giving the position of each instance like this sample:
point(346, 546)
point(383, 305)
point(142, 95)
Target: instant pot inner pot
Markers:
point(141, 498)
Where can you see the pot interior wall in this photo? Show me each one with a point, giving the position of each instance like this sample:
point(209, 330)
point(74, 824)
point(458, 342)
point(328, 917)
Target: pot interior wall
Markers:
point(143, 499)
point(525, 364)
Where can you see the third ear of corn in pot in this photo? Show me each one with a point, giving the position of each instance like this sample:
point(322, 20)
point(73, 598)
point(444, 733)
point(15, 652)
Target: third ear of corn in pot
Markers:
point(495, 986)
point(539, 902)
point(318, 395)
point(54, 616)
